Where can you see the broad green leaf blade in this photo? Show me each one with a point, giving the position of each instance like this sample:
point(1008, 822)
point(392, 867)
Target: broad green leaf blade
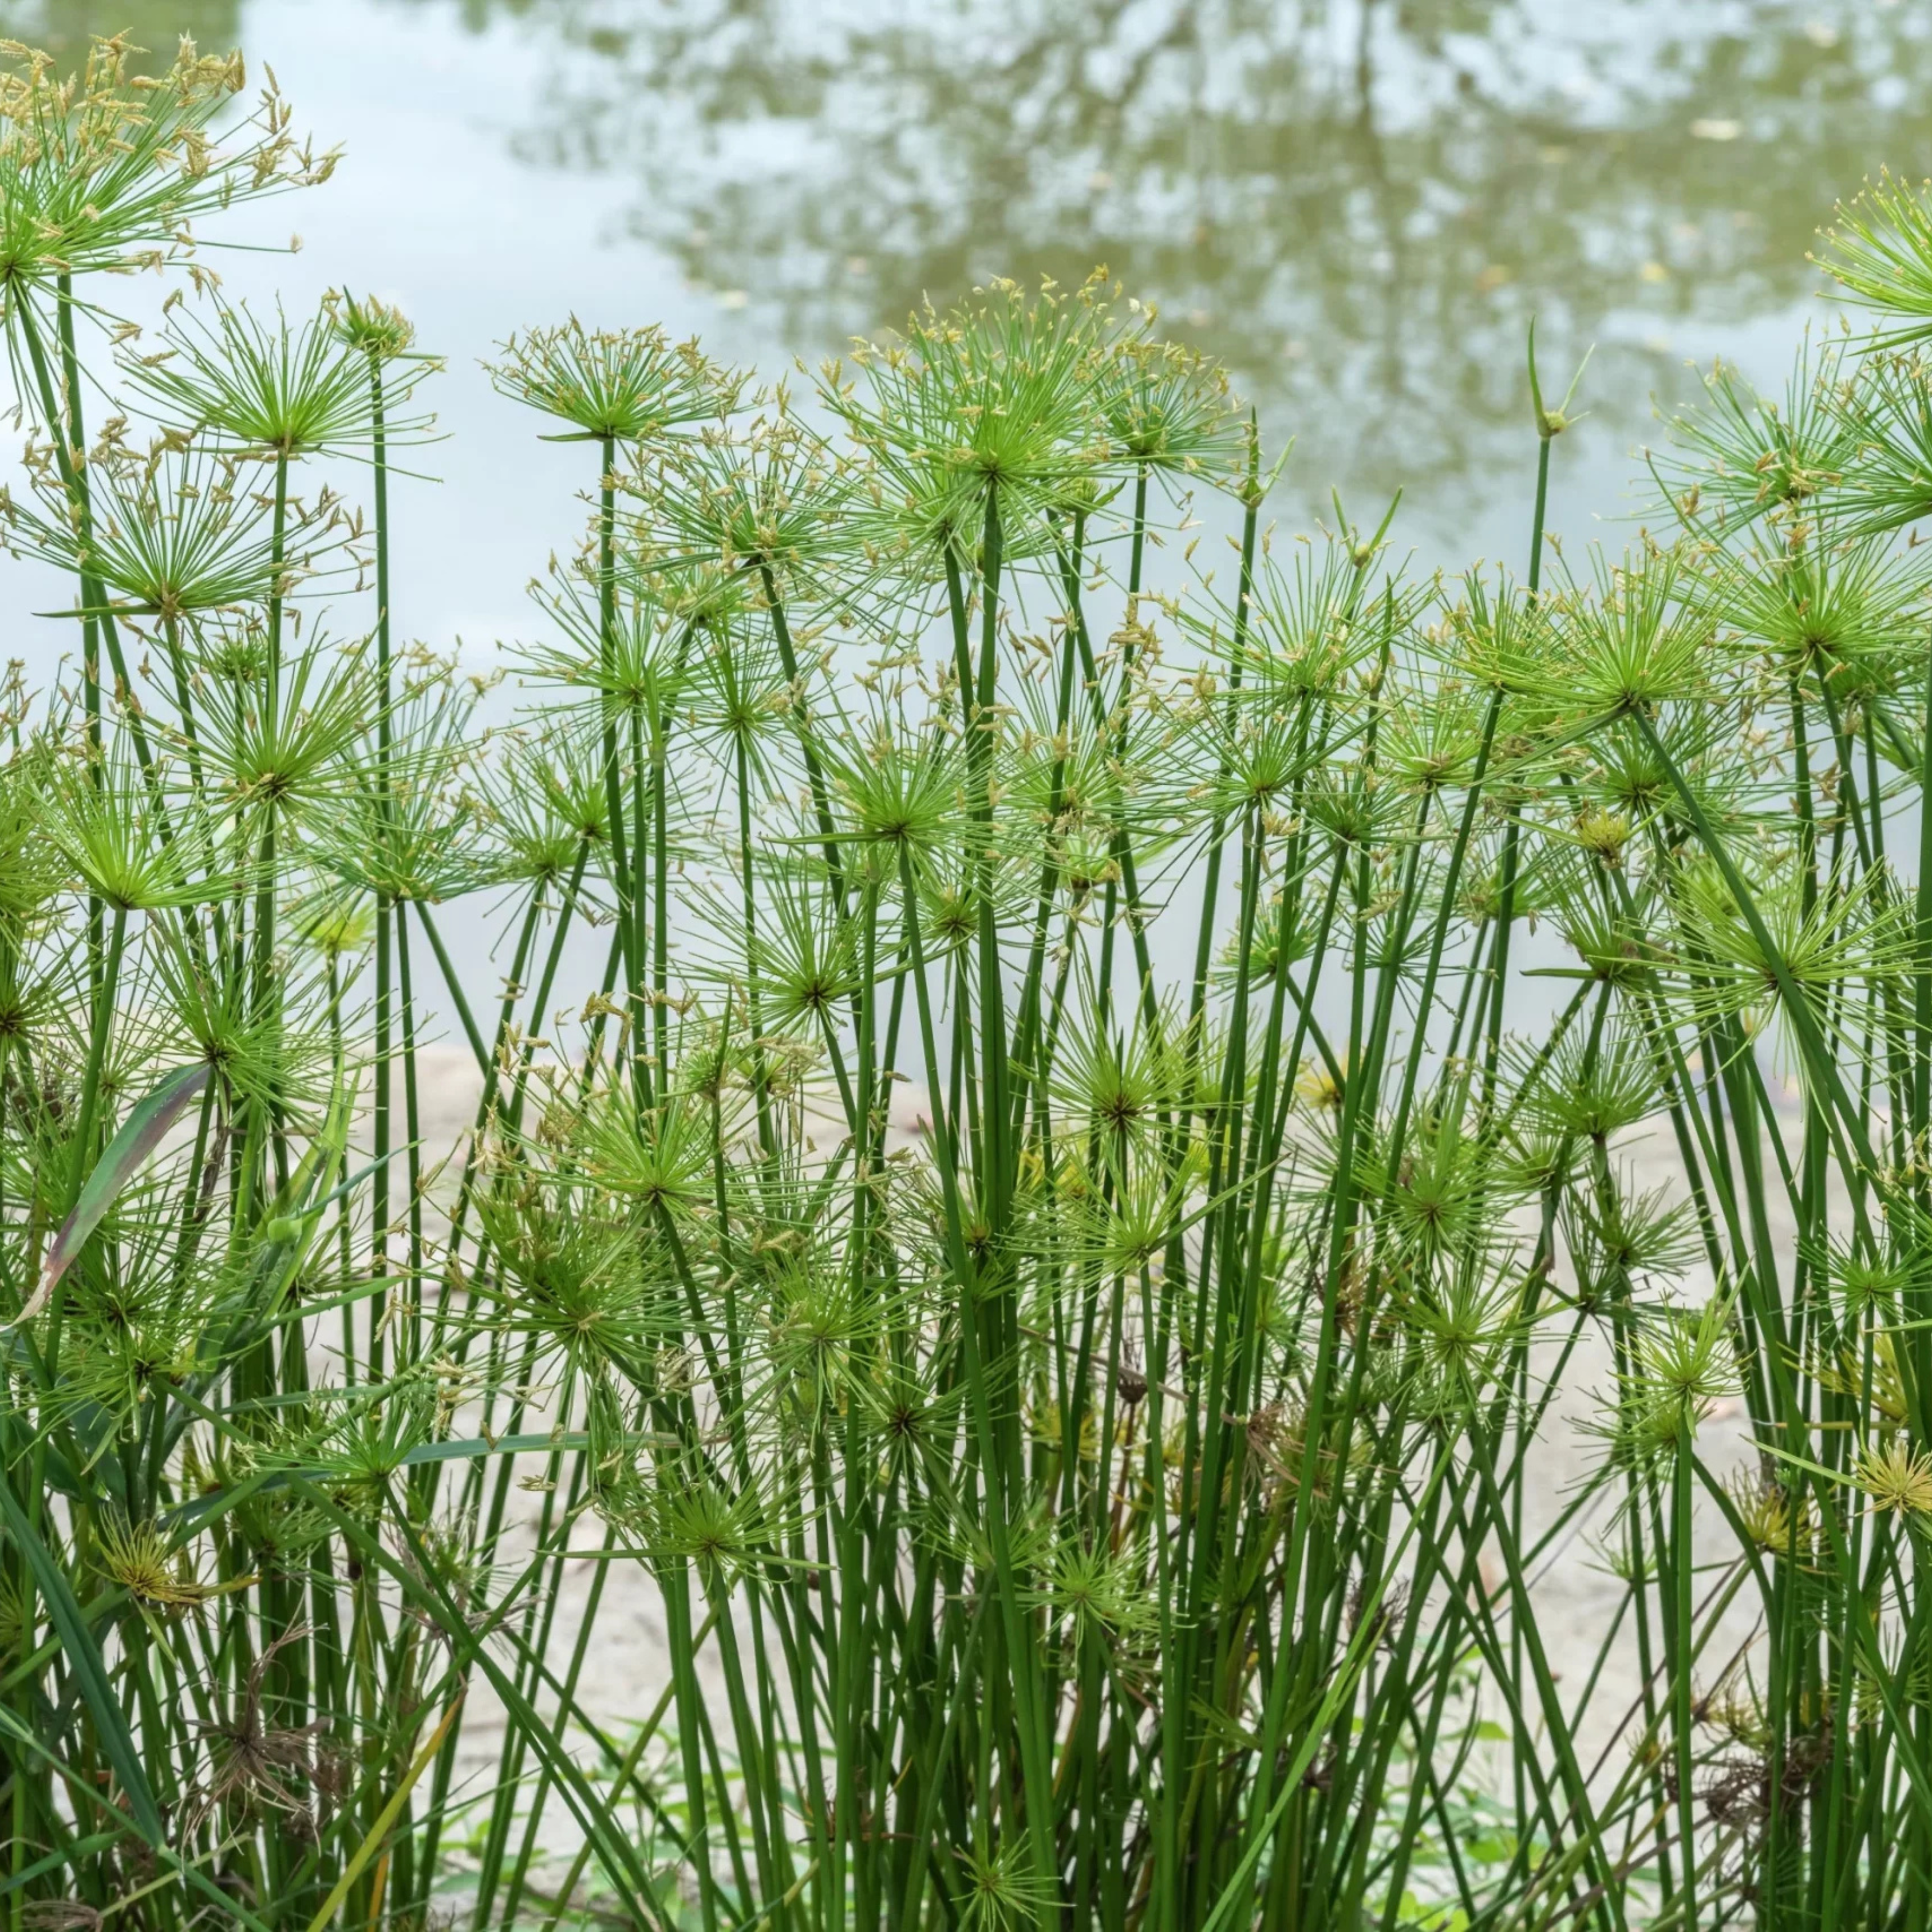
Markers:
point(127, 1154)
point(83, 1658)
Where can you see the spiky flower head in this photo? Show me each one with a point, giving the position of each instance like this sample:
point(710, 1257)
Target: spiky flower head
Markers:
point(107, 170)
point(625, 385)
point(1687, 1361)
point(1168, 410)
point(378, 328)
point(771, 501)
point(120, 842)
point(1878, 250)
point(1777, 1517)
point(1001, 1891)
point(1740, 456)
point(1632, 639)
point(1898, 1478)
point(270, 389)
point(179, 534)
point(137, 1558)
point(989, 408)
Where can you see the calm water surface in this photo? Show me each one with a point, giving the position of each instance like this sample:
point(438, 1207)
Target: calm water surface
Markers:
point(1358, 206)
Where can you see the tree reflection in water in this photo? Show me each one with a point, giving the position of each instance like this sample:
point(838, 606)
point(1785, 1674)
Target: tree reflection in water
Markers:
point(1357, 205)
point(63, 28)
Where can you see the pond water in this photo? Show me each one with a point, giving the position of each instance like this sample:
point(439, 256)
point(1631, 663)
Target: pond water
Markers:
point(1359, 206)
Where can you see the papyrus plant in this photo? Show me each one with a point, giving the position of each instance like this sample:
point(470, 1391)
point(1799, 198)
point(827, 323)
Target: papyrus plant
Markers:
point(1052, 1255)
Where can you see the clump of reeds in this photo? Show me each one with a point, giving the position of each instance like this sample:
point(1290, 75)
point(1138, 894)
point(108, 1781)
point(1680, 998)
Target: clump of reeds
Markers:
point(1051, 1254)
